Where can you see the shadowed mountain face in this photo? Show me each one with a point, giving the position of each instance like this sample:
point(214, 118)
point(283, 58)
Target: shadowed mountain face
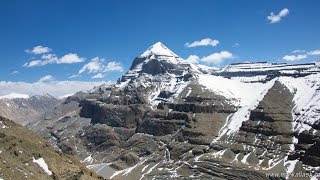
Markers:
point(25, 155)
point(169, 118)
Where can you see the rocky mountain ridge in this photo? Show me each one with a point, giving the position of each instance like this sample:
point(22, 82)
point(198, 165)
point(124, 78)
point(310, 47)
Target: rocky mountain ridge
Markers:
point(25, 109)
point(168, 118)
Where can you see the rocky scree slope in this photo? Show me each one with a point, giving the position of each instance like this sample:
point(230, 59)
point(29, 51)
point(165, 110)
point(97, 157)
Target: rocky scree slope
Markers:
point(169, 118)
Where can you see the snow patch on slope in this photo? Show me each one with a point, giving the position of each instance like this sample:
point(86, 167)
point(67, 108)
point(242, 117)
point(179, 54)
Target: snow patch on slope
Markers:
point(102, 169)
point(65, 96)
point(250, 78)
point(2, 125)
point(43, 165)
point(88, 159)
point(306, 92)
point(245, 95)
point(170, 83)
point(240, 93)
point(243, 113)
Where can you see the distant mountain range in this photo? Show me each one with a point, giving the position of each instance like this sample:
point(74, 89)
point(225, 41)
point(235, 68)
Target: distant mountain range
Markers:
point(167, 118)
point(24, 109)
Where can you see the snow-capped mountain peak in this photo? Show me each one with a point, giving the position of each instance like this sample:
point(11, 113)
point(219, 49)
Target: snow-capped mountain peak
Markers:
point(157, 59)
point(158, 49)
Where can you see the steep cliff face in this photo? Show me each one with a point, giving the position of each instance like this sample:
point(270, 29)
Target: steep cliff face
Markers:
point(267, 136)
point(306, 119)
point(24, 155)
point(168, 118)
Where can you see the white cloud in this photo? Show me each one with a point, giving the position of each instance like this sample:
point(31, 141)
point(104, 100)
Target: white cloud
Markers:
point(95, 65)
point(217, 58)
point(294, 57)
point(214, 58)
point(46, 59)
point(274, 18)
point(298, 51)
point(46, 78)
point(98, 76)
point(74, 76)
point(98, 65)
point(55, 88)
point(315, 52)
point(35, 63)
point(203, 42)
point(14, 72)
point(51, 58)
point(301, 56)
point(38, 50)
point(69, 59)
point(193, 59)
point(113, 66)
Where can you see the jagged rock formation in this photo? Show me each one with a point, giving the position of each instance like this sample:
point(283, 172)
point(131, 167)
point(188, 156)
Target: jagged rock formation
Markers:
point(24, 155)
point(169, 118)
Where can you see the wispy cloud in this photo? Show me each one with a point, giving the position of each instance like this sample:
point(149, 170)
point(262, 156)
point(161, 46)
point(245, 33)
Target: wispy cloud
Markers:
point(113, 66)
point(14, 72)
point(50, 58)
point(315, 52)
point(97, 65)
point(215, 58)
point(301, 56)
point(203, 42)
point(38, 50)
point(46, 78)
point(274, 18)
point(53, 59)
point(65, 87)
point(298, 51)
point(98, 76)
point(37, 63)
point(294, 57)
point(74, 76)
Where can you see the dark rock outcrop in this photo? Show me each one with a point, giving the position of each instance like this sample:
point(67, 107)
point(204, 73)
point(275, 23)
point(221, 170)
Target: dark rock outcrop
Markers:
point(112, 115)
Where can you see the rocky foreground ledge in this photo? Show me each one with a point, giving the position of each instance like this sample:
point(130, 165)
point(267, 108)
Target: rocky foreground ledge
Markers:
point(25, 155)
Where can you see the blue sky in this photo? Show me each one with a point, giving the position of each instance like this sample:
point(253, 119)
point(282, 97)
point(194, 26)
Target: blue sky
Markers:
point(119, 30)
